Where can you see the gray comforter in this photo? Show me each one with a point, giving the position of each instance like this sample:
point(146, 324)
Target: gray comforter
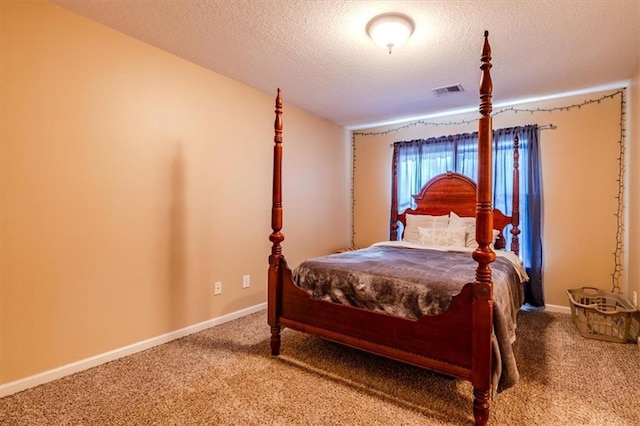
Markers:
point(410, 282)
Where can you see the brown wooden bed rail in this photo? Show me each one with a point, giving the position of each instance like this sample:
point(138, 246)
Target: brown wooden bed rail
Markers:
point(457, 342)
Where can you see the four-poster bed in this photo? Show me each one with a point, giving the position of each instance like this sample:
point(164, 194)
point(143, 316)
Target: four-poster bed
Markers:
point(464, 332)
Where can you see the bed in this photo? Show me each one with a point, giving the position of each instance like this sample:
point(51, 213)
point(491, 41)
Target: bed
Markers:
point(465, 331)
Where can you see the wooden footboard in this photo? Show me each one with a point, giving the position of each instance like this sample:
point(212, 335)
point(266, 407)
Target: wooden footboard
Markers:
point(440, 343)
point(454, 343)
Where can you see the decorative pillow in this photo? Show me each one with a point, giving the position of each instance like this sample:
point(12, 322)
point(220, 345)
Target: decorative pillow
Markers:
point(469, 223)
point(471, 237)
point(414, 221)
point(449, 237)
point(456, 221)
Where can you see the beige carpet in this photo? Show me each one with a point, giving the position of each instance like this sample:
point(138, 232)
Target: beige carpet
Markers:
point(226, 376)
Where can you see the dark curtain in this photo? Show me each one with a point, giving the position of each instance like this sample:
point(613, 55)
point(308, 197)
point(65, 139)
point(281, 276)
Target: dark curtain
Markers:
point(420, 160)
point(530, 199)
point(533, 289)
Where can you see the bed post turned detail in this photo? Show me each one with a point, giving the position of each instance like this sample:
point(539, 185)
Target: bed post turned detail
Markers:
point(276, 237)
point(483, 285)
point(515, 215)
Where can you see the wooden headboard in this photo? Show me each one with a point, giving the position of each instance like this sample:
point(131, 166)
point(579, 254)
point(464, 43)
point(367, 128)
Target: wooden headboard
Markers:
point(451, 192)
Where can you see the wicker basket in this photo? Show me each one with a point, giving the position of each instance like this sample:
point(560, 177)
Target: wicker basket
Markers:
point(601, 315)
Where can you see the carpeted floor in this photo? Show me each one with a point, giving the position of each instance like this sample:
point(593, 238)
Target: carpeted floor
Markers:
point(226, 376)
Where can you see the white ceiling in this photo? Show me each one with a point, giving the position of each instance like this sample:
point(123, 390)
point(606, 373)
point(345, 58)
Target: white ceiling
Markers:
point(318, 53)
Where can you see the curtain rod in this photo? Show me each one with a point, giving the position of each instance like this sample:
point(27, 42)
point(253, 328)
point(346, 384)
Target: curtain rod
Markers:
point(549, 126)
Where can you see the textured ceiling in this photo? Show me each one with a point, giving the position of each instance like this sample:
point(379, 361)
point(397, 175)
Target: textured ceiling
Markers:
point(318, 53)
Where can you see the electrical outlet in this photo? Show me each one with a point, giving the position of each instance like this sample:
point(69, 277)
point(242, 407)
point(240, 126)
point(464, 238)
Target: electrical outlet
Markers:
point(217, 287)
point(635, 299)
point(246, 281)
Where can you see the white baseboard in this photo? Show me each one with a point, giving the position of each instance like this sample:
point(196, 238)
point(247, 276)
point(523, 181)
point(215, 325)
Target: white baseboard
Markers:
point(547, 308)
point(558, 309)
point(75, 367)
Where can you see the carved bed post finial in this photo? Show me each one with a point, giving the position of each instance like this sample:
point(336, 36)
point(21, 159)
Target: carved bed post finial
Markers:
point(482, 312)
point(276, 237)
point(515, 215)
point(486, 85)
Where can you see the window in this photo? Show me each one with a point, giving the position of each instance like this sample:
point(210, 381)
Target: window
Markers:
point(420, 160)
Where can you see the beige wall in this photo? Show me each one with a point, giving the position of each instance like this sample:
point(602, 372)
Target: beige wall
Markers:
point(131, 180)
point(633, 161)
point(580, 169)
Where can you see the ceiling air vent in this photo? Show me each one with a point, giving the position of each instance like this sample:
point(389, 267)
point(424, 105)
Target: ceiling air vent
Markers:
point(447, 90)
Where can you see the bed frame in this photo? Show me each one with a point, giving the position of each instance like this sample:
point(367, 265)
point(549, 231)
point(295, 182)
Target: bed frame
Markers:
point(458, 342)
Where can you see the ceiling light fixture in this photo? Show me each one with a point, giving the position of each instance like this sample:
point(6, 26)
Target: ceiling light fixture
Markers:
point(390, 30)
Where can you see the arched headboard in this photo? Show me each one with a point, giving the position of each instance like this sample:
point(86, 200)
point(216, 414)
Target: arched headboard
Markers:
point(451, 192)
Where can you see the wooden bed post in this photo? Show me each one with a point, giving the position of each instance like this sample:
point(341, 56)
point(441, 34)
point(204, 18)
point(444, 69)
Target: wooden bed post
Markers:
point(276, 237)
point(515, 214)
point(483, 286)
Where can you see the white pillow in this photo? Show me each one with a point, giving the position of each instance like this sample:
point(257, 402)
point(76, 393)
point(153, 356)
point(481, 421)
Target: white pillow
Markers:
point(449, 237)
point(456, 221)
point(414, 221)
point(469, 223)
point(471, 238)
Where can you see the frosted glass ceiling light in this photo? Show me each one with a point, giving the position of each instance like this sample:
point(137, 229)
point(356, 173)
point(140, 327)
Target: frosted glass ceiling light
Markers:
point(390, 30)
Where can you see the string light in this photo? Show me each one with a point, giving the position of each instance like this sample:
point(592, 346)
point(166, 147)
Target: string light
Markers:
point(617, 254)
point(353, 191)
